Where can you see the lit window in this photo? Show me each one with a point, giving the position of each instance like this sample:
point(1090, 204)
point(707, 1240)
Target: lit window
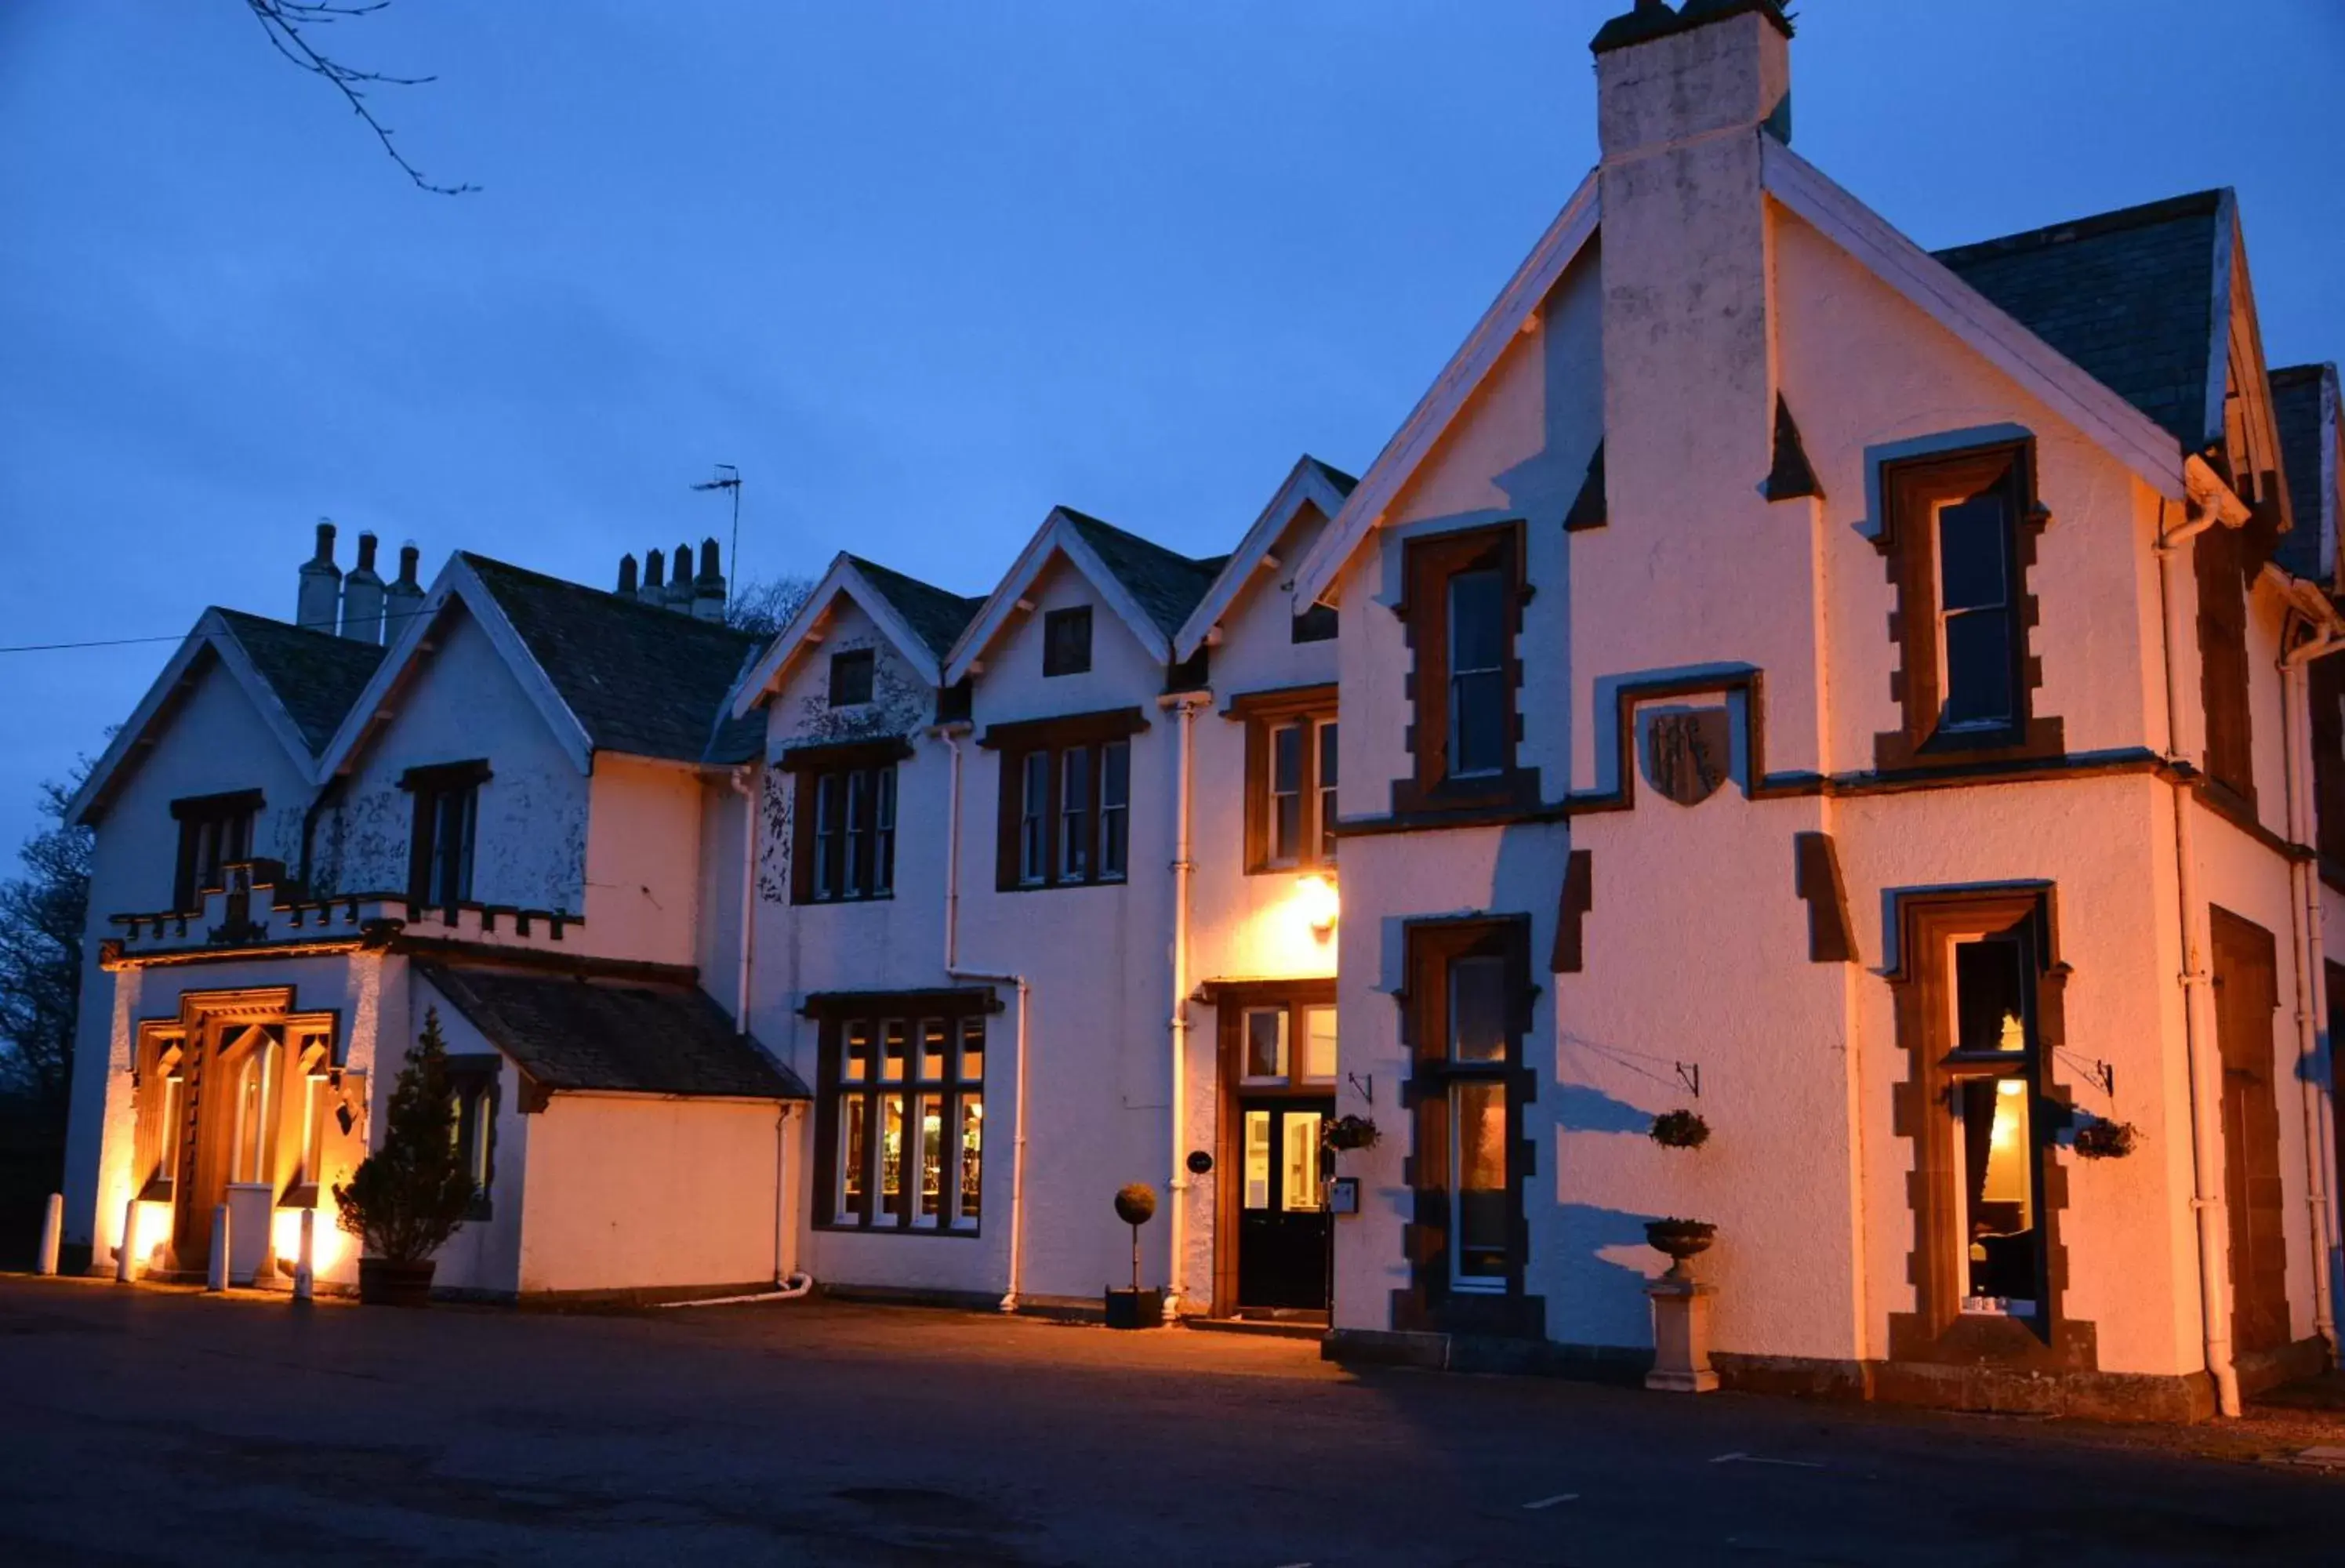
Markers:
point(903, 1130)
point(1319, 1044)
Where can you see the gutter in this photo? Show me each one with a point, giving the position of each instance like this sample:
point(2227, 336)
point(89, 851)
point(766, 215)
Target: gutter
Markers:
point(951, 735)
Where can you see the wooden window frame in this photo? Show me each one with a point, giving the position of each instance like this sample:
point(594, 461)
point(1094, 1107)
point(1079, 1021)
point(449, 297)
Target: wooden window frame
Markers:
point(1066, 661)
point(1908, 543)
point(1428, 565)
point(837, 768)
point(476, 1083)
point(1432, 1301)
point(1231, 1000)
point(957, 1011)
point(232, 816)
point(426, 852)
point(2223, 562)
point(1937, 1331)
point(1263, 714)
point(1056, 739)
point(848, 668)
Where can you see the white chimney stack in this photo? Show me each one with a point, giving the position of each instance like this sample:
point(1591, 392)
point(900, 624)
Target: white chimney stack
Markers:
point(708, 588)
point(319, 604)
point(403, 600)
point(362, 596)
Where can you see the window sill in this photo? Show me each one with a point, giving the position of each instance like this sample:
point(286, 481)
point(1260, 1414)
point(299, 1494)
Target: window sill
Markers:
point(847, 1228)
point(887, 898)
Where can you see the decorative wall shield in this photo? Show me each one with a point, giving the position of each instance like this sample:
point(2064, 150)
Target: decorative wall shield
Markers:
point(1686, 752)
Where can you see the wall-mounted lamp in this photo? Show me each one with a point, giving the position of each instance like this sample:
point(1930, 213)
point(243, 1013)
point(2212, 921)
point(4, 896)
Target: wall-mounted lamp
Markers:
point(1315, 897)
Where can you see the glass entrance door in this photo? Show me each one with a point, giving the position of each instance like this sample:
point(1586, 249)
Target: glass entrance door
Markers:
point(1283, 1203)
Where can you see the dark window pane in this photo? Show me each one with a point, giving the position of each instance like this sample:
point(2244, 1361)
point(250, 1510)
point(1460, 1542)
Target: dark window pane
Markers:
point(1974, 553)
point(1991, 994)
point(1978, 667)
point(1067, 641)
point(1478, 1009)
point(1477, 631)
point(1286, 793)
point(1478, 722)
point(1267, 1043)
point(1316, 624)
point(883, 870)
point(1115, 814)
point(1074, 814)
point(850, 677)
point(1034, 780)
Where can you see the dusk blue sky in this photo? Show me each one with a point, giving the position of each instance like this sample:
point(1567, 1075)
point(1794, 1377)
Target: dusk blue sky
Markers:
point(921, 270)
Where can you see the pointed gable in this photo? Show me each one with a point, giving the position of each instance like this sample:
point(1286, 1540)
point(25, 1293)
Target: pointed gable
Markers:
point(922, 621)
point(1310, 483)
point(315, 674)
point(934, 615)
point(1151, 590)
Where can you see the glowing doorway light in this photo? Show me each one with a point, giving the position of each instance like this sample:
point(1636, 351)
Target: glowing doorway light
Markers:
point(1315, 897)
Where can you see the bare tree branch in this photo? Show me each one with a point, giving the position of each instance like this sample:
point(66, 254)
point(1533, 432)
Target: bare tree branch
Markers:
point(282, 21)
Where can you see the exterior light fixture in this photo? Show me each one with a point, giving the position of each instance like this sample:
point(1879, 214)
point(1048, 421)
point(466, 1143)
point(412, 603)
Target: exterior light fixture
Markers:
point(1315, 897)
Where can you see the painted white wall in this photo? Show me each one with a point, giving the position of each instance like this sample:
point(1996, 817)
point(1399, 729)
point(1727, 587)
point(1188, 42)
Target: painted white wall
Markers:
point(461, 703)
point(643, 863)
point(484, 1255)
point(638, 1193)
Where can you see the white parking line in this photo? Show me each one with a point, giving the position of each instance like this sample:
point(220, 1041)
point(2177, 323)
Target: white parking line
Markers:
point(1552, 1501)
point(1739, 1457)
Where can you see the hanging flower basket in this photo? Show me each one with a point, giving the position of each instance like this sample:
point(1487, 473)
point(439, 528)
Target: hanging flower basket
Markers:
point(2107, 1140)
point(1679, 1129)
point(1350, 1132)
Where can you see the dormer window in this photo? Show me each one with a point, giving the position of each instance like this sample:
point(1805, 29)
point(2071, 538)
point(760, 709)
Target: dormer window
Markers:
point(1067, 641)
point(851, 678)
point(215, 831)
point(440, 847)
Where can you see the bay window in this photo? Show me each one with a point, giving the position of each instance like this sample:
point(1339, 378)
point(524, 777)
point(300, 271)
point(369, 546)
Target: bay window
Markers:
point(900, 1145)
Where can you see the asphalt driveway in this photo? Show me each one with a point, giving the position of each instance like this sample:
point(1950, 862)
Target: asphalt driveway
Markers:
point(145, 1426)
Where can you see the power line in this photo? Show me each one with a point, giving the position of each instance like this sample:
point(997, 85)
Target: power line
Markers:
point(329, 627)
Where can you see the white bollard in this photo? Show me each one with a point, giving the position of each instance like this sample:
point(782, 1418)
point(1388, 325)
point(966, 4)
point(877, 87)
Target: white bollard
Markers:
point(216, 1277)
point(125, 1266)
point(304, 1279)
point(53, 1229)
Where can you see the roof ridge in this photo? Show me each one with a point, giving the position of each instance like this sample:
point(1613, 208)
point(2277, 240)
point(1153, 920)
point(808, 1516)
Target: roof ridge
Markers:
point(2142, 213)
point(475, 559)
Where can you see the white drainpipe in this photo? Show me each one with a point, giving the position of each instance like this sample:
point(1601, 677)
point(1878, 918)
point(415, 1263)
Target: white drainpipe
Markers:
point(747, 781)
point(2198, 1025)
point(2311, 998)
point(951, 735)
point(1184, 705)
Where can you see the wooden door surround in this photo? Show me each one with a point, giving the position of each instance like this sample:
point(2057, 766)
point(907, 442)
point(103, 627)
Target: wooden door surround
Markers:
point(1230, 1000)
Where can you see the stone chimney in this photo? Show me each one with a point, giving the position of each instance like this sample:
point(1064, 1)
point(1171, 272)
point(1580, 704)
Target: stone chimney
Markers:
point(654, 590)
point(362, 597)
point(320, 603)
point(626, 589)
point(1687, 101)
point(679, 580)
point(403, 600)
point(708, 588)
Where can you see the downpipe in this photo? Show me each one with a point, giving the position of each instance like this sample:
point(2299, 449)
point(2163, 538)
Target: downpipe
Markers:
point(2206, 1202)
point(1184, 705)
point(951, 735)
point(788, 1290)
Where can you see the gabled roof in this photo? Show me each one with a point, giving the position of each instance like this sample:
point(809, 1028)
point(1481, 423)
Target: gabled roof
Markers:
point(606, 673)
point(2130, 297)
point(1151, 590)
point(302, 682)
point(1434, 413)
point(920, 619)
point(626, 1037)
point(1310, 482)
point(2306, 405)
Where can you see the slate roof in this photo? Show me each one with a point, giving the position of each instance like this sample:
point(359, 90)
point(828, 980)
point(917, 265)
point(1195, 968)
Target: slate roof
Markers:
point(568, 1033)
point(2127, 295)
point(936, 617)
point(317, 675)
point(1345, 484)
point(1167, 584)
point(2296, 409)
point(643, 680)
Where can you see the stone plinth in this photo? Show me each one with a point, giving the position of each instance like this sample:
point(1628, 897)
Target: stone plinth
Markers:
point(1680, 1336)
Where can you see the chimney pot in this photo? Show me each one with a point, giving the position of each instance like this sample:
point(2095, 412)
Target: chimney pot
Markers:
point(404, 599)
point(318, 604)
point(366, 551)
point(362, 597)
point(626, 576)
point(708, 589)
point(409, 558)
point(679, 580)
point(655, 570)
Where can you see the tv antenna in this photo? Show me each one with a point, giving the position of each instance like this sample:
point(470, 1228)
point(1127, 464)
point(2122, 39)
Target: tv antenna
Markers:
point(729, 477)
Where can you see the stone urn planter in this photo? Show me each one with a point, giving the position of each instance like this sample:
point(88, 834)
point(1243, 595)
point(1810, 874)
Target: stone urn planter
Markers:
point(1680, 1241)
point(385, 1283)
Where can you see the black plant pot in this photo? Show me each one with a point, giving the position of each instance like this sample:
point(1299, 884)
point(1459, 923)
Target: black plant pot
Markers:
point(1135, 1309)
point(384, 1283)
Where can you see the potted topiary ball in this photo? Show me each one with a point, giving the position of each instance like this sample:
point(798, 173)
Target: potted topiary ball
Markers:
point(411, 1194)
point(1135, 1204)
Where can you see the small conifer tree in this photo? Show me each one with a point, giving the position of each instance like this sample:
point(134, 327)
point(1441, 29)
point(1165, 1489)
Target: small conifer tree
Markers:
point(411, 1194)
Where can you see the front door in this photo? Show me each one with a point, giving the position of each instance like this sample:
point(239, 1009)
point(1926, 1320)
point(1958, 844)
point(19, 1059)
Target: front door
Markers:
point(236, 1090)
point(2247, 995)
point(1283, 1203)
point(1278, 1094)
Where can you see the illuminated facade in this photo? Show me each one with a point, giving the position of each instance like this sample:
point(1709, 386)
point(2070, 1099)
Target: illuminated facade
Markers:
point(1876, 700)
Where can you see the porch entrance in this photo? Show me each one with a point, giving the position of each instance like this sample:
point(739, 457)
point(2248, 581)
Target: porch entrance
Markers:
point(1277, 1060)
